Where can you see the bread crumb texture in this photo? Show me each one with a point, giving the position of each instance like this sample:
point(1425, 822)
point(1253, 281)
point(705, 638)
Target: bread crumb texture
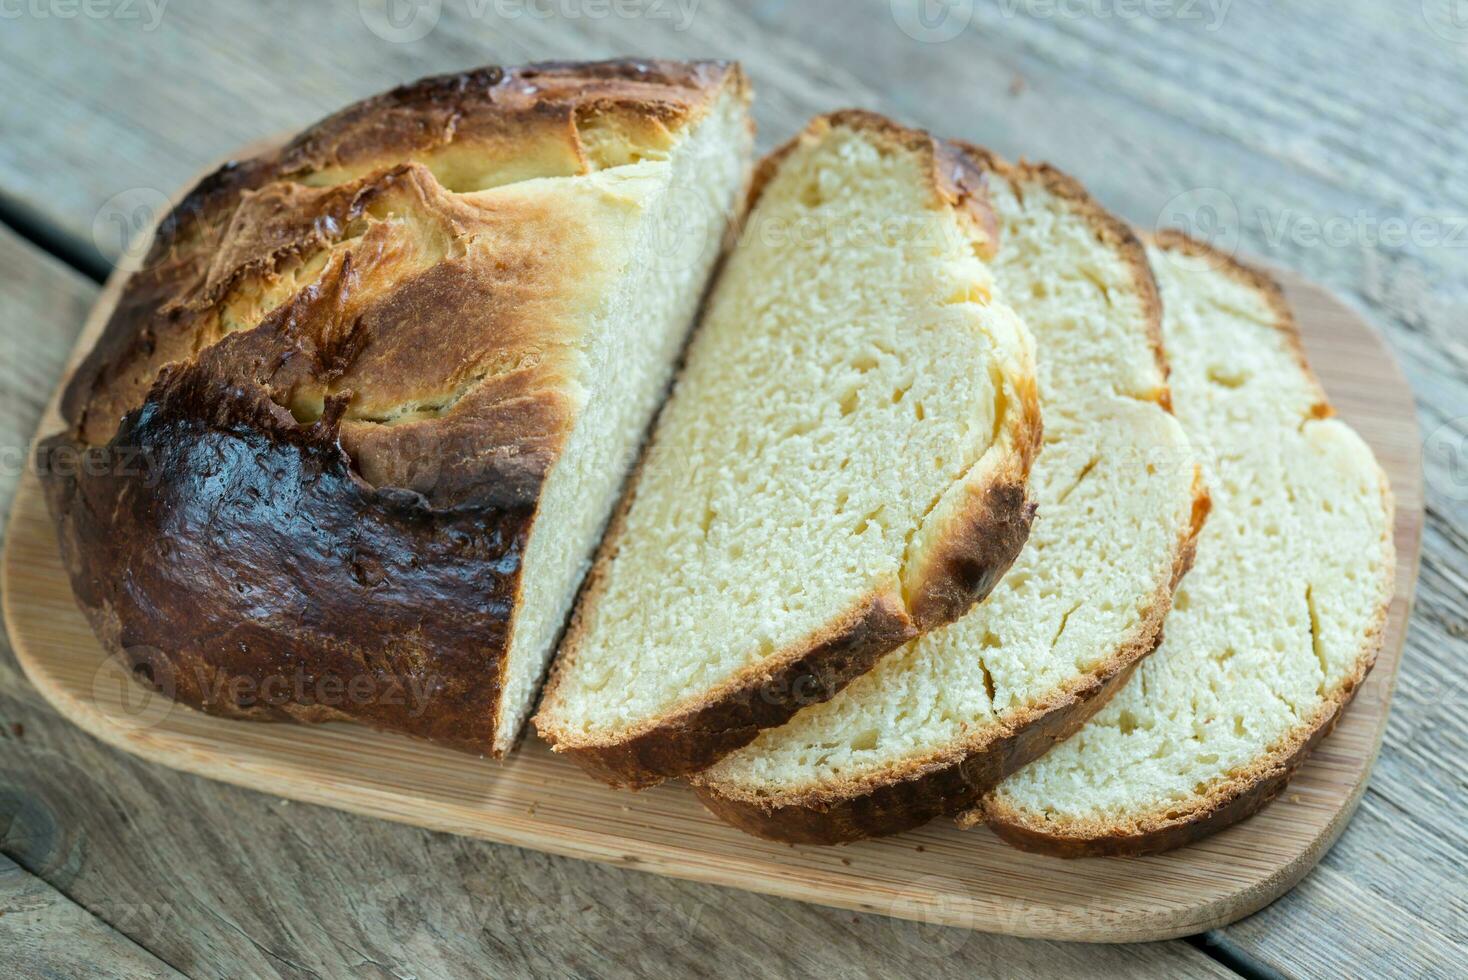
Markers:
point(1115, 489)
point(1281, 616)
point(852, 378)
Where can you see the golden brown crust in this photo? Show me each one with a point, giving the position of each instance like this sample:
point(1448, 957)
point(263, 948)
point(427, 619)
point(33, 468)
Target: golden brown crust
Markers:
point(974, 551)
point(1243, 794)
point(1172, 240)
point(319, 420)
point(980, 543)
point(1108, 228)
point(697, 733)
point(1232, 801)
point(964, 566)
point(919, 790)
point(957, 181)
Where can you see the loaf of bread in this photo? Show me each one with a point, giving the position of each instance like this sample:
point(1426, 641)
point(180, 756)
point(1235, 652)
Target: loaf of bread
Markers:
point(1120, 504)
point(350, 439)
point(1277, 625)
point(842, 465)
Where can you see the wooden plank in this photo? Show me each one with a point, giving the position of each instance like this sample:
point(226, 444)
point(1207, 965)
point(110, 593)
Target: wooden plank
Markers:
point(222, 881)
point(1337, 114)
point(44, 934)
point(938, 874)
point(43, 304)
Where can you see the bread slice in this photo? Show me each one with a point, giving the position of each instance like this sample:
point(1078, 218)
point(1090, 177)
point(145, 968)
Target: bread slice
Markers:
point(388, 382)
point(1120, 503)
point(1280, 620)
point(842, 465)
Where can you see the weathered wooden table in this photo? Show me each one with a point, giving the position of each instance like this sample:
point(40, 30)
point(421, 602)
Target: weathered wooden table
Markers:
point(1326, 136)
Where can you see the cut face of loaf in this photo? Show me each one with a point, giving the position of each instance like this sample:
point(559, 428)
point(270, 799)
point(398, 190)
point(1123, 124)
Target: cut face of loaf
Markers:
point(842, 465)
point(388, 383)
point(1120, 502)
point(1279, 621)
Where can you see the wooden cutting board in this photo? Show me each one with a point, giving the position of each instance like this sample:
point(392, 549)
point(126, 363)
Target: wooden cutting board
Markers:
point(939, 875)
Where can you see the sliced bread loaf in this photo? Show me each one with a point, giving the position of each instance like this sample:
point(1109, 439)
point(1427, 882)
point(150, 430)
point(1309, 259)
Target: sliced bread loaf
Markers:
point(1120, 502)
point(388, 382)
point(1278, 623)
point(842, 465)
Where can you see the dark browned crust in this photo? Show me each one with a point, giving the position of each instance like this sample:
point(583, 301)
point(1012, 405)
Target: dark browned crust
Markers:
point(950, 783)
point(1244, 794)
point(980, 545)
point(893, 807)
point(233, 560)
point(257, 566)
point(697, 735)
point(976, 551)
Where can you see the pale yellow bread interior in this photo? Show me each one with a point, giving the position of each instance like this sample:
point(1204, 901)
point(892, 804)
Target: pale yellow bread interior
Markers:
point(1116, 485)
point(853, 379)
point(1282, 614)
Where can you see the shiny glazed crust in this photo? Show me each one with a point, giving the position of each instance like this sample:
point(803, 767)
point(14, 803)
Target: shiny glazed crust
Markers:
point(1245, 793)
point(301, 465)
point(955, 778)
point(980, 541)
